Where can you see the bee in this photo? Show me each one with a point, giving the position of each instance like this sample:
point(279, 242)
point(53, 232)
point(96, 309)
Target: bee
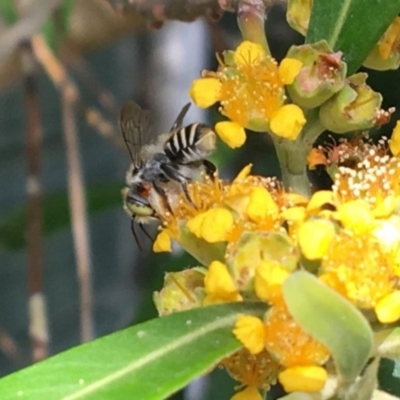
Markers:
point(162, 168)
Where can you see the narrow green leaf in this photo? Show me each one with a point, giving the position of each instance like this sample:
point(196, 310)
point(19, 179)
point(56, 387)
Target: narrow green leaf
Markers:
point(56, 213)
point(351, 26)
point(330, 319)
point(149, 361)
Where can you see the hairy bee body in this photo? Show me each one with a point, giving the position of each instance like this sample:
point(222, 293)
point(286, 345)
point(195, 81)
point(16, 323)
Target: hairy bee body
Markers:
point(161, 171)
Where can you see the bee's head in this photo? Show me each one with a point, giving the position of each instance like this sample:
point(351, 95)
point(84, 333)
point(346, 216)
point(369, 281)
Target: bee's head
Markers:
point(135, 204)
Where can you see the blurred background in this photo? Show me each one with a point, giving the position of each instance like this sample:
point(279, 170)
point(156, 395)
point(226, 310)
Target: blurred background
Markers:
point(61, 150)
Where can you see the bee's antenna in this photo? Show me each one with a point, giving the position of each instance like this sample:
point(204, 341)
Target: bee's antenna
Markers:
point(135, 234)
point(145, 232)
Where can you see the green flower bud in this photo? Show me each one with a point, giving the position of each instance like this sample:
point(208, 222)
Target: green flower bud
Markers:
point(375, 60)
point(181, 291)
point(386, 55)
point(252, 249)
point(298, 15)
point(322, 75)
point(355, 107)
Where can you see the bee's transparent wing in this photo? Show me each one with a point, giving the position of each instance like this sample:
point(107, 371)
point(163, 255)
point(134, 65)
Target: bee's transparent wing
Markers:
point(179, 119)
point(136, 128)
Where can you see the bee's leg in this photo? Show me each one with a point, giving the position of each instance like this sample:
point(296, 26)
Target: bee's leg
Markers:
point(163, 195)
point(135, 234)
point(143, 229)
point(210, 169)
point(174, 175)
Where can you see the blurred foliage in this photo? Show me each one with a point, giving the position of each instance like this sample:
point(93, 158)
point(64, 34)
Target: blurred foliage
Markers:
point(56, 214)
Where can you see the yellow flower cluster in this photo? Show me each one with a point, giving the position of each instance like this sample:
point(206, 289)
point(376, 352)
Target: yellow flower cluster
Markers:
point(250, 87)
point(350, 234)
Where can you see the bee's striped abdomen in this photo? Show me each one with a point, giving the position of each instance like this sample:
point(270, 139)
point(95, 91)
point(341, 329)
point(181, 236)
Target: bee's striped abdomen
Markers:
point(190, 143)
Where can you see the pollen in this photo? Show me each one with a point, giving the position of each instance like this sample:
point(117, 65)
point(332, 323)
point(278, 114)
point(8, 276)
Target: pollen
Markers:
point(294, 347)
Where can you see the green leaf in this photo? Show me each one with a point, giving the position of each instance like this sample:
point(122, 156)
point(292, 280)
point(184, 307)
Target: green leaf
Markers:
point(56, 27)
point(56, 213)
point(8, 11)
point(351, 26)
point(149, 361)
point(330, 319)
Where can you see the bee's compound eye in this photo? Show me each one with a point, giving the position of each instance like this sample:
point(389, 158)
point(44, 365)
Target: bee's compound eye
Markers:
point(138, 208)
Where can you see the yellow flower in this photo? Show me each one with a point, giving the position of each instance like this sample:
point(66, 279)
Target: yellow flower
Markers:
point(269, 278)
point(162, 242)
point(359, 268)
point(315, 237)
point(289, 69)
point(231, 133)
point(205, 91)
point(303, 379)
point(211, 225)
point(388, 309)
point(250, 331)
point(288, 121)
point(250, 87)
point(394, 143)
point(249, 393)
point(219, 285)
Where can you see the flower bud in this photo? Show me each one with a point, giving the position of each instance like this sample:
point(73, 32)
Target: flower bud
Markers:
point(375, 60)
point(355, 107)
point(386, 53)
point(298, 15)
point(254, 248)
point(322, 75)
point(181, 291)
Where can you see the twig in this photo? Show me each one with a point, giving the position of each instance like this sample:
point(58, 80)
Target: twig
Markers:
point(69, 98)
point(38, 326)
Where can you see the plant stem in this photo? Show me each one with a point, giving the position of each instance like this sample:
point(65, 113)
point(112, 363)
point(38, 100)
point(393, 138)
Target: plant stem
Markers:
point(250, 18)
point(69, 98)
point(38, 319)
point(292, 155)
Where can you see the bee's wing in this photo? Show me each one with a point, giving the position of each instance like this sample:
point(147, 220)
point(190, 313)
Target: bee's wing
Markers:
point(136, 129)
point(179, 119)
